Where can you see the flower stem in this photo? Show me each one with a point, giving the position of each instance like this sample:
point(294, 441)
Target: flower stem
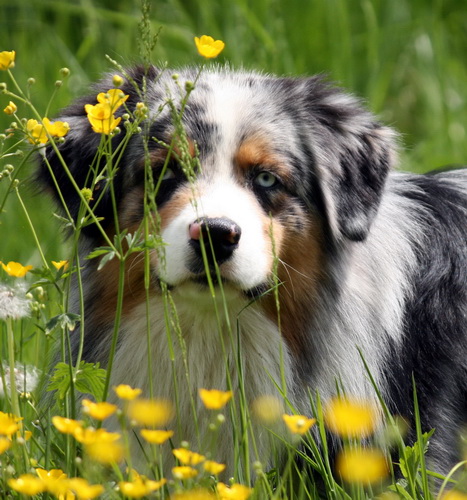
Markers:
point(11, 360)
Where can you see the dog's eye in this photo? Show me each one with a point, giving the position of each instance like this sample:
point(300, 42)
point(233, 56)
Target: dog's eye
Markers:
point(266, 180)
point(168, 174)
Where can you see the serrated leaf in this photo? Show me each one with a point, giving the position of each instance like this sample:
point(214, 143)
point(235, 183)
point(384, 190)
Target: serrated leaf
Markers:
point(88, 379)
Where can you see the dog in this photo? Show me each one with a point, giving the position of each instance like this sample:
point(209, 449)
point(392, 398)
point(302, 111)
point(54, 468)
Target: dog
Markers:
point(290, 251)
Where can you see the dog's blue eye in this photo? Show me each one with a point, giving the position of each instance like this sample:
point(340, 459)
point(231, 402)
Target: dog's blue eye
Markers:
point(265, 180)
point(168, 174)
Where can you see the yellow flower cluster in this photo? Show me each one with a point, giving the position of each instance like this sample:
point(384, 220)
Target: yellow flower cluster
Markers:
point(57, 483)
point(38, 133)
point(101, 115)
point(354, 419)
point(140, 486)
point(100, 445)
point(188, 459)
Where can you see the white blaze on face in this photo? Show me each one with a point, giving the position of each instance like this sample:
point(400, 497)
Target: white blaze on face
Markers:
point(251, 262)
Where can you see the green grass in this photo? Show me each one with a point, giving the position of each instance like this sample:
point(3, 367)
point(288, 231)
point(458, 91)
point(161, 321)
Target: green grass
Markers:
point(405, 58)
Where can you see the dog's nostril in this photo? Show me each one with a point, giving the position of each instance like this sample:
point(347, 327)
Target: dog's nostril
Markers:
point(220, 237)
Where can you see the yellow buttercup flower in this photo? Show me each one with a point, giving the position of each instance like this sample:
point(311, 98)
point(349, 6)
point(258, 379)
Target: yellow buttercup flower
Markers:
point(114, 98)
point(105, 452)
point(66, 425)
point(11, 109)
point(150, 412)
point(99, 411)
point(156, 436)
point(83, 489)
point(101, 120)
point(60, 264)
point(351, 418)
point(91, 435)
point(298, 424)
point(9, 424)
point(127, 392)
point(213, 467)
point(38, 131)
point(362, 466)
point(184, 472)
point(267, 409)
point(208, 47)
point(57, 128)
point(7, 60)
point(27, 484)
point(214, 399)
point(16, 269)
point(187, 457)
point(5, 444)
point(101, 115)
point(55, 481)
point(234, 492)
point(140, 487)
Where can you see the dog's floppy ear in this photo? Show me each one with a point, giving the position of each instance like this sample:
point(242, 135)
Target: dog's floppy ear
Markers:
point(78, 153)
point(353, 159)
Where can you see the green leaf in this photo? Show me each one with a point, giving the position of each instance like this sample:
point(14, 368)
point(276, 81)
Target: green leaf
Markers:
point(97, 252)
point(88, 379)
point(105, 259)
point(64, 321)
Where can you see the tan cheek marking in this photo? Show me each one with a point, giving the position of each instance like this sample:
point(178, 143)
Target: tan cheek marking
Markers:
point(300, 271)
point(134, 292)
point(177, 203)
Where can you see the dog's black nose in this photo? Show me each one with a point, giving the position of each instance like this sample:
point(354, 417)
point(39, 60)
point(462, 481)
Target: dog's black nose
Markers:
point(220, 237)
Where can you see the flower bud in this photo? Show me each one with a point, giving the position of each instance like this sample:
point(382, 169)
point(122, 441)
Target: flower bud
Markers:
point(87, 194)
point(58, 83)
point(31, 81)
point(64, 72)
point(117, 80)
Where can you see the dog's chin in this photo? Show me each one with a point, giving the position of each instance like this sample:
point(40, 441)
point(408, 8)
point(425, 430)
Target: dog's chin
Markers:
point(200, 285)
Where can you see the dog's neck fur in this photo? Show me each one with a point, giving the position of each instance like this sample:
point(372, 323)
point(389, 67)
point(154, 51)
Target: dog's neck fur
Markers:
point(243, 352)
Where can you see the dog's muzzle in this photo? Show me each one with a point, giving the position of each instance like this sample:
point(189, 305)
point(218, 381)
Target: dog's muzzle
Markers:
point(220, 238)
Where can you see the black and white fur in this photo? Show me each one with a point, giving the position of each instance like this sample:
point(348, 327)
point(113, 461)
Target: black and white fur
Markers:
point(369, 258)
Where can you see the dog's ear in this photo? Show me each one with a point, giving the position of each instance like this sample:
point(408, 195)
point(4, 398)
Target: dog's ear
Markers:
point(76, 157)
point(353, 156)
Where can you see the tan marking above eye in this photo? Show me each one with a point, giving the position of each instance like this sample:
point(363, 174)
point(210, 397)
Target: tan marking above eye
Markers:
point(255, 152)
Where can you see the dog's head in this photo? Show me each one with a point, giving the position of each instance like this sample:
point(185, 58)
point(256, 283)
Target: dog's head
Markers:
point(280, 165)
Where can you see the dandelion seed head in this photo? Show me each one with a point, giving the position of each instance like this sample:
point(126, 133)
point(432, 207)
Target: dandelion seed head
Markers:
point(13, 302)
point(26, 378)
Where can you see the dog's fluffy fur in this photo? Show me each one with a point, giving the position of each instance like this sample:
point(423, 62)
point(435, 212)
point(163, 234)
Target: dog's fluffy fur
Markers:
point(367, 258)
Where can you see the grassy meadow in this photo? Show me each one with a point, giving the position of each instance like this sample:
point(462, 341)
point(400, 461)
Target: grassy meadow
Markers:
point(406, 59)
